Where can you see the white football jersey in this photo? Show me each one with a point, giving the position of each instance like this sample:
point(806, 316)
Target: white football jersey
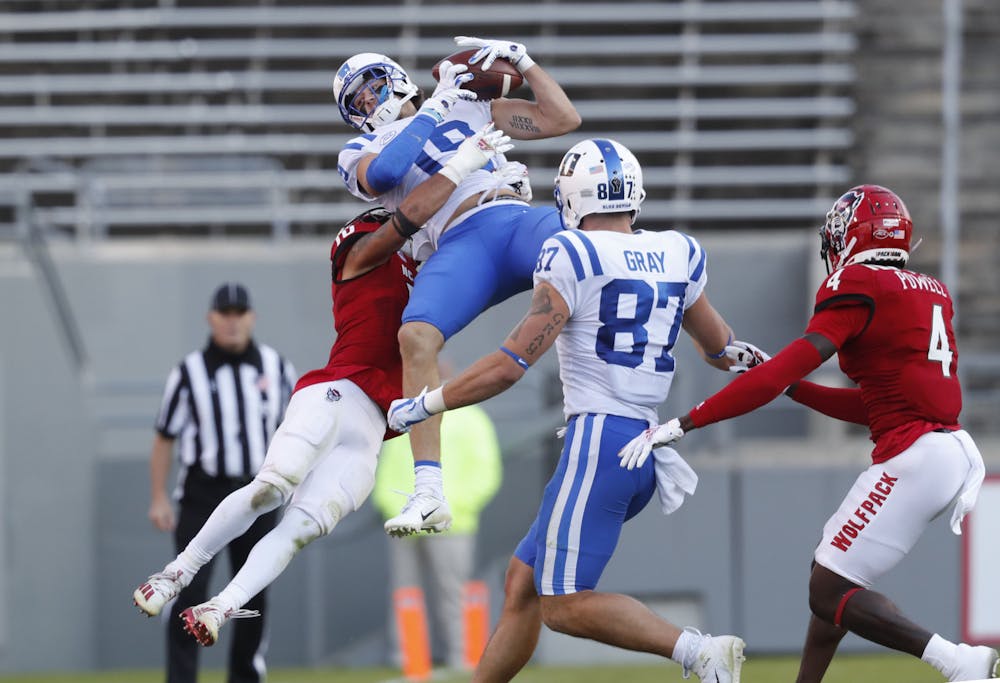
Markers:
point(627, 294)
point(464, 120)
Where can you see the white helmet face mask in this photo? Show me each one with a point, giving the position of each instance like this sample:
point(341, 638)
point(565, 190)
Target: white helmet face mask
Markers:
point(598, 176)
point(370, 77)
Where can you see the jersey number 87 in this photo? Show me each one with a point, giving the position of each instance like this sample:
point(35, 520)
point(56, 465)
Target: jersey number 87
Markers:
point(667, 295)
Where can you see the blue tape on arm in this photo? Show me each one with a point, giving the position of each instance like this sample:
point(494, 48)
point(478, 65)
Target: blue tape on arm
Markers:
point(388, 168)
point(517, 359)
point(720, 354)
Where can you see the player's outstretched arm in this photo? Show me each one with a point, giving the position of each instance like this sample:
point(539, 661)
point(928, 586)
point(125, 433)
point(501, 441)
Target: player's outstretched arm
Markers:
point(839, 403)
point(550, 115)
point(762, 384)
point(709, 332)
point(747, 392)
point(494, 373)
point(374, 249)
point(525, 344)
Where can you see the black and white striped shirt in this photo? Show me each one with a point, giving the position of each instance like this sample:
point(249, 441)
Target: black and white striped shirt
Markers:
point(224, 408)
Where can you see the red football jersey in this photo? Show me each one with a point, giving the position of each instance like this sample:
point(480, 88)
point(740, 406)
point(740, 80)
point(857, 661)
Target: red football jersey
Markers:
point(367, 311)
point(902, 355)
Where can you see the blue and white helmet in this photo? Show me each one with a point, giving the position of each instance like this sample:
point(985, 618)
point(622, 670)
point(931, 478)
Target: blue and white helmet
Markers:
point(386, 80)
point(598, 176)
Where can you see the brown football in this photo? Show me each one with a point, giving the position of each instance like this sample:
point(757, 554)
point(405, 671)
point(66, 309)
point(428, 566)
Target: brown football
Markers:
point(501, 79)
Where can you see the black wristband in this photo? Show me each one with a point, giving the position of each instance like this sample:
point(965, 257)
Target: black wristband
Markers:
point(403, 225)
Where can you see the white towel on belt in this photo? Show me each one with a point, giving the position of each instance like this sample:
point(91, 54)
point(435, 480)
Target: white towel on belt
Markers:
point(973, 480)
point(674, 478)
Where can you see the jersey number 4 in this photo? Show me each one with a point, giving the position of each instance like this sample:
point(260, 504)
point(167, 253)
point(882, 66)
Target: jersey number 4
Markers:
point(938, 350)
point(668, 295)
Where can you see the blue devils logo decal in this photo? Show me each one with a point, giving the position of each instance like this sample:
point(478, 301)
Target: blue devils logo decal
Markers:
point(617, 189)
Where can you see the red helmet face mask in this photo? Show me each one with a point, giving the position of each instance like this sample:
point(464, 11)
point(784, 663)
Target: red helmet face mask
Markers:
point(868, 224)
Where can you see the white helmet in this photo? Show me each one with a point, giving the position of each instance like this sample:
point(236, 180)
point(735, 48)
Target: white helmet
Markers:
point(598, 176)
point(364, 71)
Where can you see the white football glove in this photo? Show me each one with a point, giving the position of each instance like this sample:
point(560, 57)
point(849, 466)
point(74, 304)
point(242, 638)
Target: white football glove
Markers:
point(514, 175)
point(406, 412)
point(451, 76)
point(491, 50)
point(744, 356)
point(635, 452)
point(447, 92)
point(475, 152)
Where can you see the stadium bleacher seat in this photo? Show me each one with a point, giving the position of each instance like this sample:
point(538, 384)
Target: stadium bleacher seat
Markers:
point(739, 111)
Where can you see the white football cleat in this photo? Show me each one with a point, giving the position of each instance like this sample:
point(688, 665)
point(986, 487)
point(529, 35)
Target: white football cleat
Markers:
point(159, 589)
point(974, 663)
point(423, 511)
point(719, 660)
point(204, 621)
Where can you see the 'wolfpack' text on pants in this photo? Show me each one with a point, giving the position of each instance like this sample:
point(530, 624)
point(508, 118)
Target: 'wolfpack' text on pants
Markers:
point(862, 516)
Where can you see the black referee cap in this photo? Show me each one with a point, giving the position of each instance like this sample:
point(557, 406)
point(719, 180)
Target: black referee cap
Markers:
point(231, 296)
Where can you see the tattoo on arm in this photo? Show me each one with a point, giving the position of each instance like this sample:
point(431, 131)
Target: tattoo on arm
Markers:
point(543, 311)
point(525, 123)
point(541, 301)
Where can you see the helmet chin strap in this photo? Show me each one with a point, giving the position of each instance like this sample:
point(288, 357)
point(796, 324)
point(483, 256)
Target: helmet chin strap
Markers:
point(388, 111)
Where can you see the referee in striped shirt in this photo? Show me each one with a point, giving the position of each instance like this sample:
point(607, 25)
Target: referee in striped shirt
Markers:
point(222, 405)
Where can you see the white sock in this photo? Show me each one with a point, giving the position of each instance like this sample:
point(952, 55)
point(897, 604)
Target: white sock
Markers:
point(232, 597)
point(940, 654)
point(687, 647)
point(269, 557)
point(427, 477)
point(191, 559)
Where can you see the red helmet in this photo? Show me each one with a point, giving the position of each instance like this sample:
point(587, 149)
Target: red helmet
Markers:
point(869, 223)
point(369, 221)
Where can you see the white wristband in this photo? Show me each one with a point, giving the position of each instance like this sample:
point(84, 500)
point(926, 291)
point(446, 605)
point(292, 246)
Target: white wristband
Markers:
point(524, 63)
point(434, 401)
point(452, 174)
point(464, 163)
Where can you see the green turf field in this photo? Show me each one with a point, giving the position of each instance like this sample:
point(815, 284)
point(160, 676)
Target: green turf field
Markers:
point(845, 669)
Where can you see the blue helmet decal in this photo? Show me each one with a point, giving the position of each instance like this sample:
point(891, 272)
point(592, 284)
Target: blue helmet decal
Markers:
point(613, 167)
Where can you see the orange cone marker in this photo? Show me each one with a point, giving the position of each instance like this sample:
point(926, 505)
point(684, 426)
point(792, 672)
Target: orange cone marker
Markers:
point(476, 613)
point(411, 624)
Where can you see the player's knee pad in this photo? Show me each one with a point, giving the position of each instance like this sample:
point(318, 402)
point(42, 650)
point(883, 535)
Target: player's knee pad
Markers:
point(335, 490)
point(292, 455)
point(303, 526)
point(270, 484)
point(322, 519)
point(265, 497)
